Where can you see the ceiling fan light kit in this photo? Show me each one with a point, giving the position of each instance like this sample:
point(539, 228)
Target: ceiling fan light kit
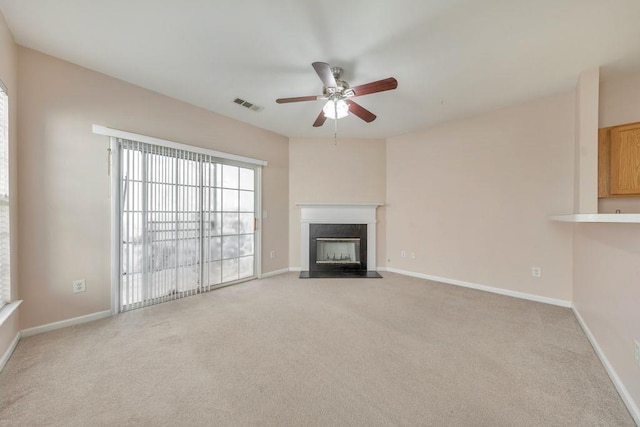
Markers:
point(339, 94)
point(336, 109)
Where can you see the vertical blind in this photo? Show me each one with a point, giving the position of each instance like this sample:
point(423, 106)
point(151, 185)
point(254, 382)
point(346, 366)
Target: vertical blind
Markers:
point(187, 223)
point(5, 245)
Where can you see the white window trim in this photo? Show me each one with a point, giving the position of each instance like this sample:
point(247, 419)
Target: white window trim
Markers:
point(5, 200)
point(102, 130)
point(8, 309)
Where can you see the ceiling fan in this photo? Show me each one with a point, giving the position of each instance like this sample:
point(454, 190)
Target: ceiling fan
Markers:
point(339, 94)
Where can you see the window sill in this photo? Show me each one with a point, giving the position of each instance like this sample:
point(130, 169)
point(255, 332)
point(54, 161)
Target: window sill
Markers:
point(7, 310)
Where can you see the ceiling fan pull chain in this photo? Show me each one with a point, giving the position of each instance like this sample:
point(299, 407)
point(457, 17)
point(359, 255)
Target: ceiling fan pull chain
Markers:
point(335, 126)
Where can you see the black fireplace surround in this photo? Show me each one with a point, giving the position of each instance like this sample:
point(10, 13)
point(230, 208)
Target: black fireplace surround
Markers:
point(338, 250)
point(337, 231)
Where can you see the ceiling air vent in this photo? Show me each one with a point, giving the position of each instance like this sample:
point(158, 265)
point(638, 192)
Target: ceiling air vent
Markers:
point(247, 104)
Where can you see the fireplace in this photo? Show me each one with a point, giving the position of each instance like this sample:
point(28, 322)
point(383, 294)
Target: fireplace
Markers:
point(338, 240)
point(337, 247)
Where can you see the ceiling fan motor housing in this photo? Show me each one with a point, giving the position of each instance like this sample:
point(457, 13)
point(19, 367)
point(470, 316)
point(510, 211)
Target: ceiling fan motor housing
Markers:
point(338, 92)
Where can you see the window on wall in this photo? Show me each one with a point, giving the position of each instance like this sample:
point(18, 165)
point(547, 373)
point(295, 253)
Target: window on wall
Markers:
point(187, 222)
point(5, 273)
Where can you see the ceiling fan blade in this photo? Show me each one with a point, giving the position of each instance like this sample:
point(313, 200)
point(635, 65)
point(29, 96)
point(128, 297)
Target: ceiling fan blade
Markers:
point(374, 87)
point(324, 72)
point(298, 99)
point(320, 120)
point(360, 111)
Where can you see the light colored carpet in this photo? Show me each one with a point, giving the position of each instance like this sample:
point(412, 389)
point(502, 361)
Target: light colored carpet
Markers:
point(285, 351)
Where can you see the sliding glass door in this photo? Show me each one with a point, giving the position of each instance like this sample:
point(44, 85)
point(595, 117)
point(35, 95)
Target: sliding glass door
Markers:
point(187, 223)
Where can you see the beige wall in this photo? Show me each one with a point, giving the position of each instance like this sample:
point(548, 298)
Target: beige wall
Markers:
point(64, 198)
point(351, 171)
point(606, 292)
point(619, 101)
point(8, 75)
point(606, 286)
point(471, 198)
point(585, 194)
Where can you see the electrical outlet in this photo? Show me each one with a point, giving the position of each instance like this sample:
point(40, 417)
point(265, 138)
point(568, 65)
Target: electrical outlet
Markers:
point(403, 254)
point(79, 286)
point(265, 214)
point(637, 352)
point(272, 254)
point(536, 272)
point(413, 255)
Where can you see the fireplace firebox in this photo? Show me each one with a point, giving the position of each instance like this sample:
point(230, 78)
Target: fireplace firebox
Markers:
point(338, 250)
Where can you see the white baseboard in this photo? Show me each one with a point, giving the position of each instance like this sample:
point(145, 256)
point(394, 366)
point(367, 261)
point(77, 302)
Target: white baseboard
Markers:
point(622, 390)
point(275, 273)
point(7, 354)
point(295, 268)
point(516, 294)
point(65, 323)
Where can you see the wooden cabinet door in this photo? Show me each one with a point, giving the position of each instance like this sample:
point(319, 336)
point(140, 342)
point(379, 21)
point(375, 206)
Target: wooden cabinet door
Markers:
point(625, 160)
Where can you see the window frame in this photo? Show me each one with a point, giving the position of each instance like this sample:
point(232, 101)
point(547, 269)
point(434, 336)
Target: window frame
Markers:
point(5, 201)
point(114, 172)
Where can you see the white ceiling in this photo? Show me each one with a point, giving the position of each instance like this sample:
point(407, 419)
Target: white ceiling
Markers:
point(452, 58)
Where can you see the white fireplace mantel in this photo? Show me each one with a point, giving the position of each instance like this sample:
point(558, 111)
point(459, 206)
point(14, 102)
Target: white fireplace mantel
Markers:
point(338, 213)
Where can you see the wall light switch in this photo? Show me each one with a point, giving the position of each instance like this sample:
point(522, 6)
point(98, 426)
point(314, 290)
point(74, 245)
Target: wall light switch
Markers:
point(403, 254)
point(413, 255)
